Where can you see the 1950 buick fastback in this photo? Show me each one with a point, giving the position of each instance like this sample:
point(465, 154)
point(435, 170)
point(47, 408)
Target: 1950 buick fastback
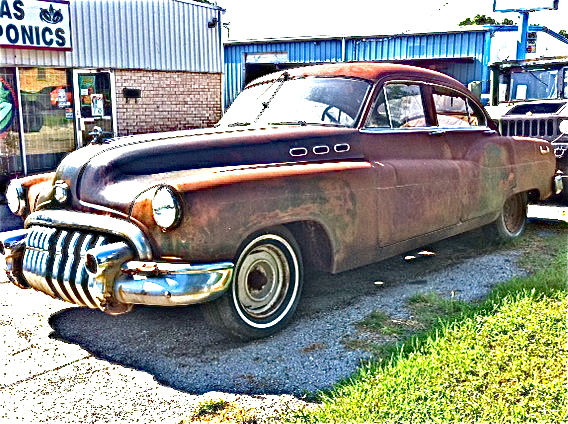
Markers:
point(334, 166)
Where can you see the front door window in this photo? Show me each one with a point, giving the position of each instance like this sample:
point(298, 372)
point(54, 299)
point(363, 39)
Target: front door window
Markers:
point(416, 178)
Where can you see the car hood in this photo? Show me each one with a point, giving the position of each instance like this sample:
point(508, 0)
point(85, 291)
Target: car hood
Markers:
point(136, 163)
point(533, 107)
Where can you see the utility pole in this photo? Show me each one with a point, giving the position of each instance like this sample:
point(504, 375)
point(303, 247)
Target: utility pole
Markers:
point(523, 7)
point(523, 36)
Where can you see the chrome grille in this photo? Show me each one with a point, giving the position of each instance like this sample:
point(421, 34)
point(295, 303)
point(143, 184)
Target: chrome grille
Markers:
point(54, 263)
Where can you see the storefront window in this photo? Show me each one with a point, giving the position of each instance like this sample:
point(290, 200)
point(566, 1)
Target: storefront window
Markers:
point(47, 109)
point(10, 158)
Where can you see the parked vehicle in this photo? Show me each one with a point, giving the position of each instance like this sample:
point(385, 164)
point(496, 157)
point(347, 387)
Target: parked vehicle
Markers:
point(334, 166)
point(532, 101)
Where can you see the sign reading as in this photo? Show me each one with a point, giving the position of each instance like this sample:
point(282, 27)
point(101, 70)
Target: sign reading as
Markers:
point(35, 24)
point(524, 5)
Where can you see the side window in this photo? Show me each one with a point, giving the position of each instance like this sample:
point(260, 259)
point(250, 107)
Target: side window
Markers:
point(379, 118)
point(398, 105)
point(453, 109)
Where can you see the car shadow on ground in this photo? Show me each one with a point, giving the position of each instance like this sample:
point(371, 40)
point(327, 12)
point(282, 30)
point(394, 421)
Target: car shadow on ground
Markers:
point(182, 351)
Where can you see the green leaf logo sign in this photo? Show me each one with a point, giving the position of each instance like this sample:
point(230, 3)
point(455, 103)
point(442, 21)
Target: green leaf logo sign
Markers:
point(51, 16)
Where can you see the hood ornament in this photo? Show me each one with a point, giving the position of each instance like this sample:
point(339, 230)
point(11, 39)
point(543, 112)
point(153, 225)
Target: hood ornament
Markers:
point(98, 136)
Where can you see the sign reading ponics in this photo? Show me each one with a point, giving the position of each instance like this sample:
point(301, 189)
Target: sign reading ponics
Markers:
point(35, 24)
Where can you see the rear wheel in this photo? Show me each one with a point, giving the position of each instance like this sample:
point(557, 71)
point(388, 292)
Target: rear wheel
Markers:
point(512, 221)
point(265, 290)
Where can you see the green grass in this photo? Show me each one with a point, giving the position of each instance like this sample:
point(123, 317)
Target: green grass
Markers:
point(209, 407)
point(503, 360)
point(381, 322)
point(427, 310)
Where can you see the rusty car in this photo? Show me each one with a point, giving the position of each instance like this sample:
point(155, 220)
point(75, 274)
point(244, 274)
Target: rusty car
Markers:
point(330, 166)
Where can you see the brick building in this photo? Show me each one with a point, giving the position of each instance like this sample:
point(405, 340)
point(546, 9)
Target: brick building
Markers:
point(162, 108)
point(125, 66)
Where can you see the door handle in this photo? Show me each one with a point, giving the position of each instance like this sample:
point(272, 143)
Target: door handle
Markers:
point(437, 132)
point(489, 132)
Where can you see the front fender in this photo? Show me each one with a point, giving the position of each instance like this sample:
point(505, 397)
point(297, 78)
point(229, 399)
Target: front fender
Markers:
point(222, 208)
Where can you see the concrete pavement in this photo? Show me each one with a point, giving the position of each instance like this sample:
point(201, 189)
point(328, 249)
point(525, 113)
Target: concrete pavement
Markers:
point(9, 221)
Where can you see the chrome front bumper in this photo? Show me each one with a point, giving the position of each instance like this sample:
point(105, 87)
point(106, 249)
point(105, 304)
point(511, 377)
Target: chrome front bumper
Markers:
point(169, 284)
point(99, 271)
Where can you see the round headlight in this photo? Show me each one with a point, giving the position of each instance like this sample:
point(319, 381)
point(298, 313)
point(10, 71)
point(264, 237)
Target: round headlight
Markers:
point(61, 192)
point(166, 207)
point(16, 197)
point(563, 126)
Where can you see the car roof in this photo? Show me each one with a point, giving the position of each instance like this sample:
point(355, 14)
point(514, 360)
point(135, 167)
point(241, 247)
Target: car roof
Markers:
point(371, 71)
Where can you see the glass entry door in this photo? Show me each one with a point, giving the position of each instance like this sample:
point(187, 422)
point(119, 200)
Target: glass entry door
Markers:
point(95, 105)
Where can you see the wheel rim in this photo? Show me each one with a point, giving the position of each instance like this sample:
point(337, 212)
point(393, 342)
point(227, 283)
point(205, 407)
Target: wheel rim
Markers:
point(513, 214)
point(263, 281)
point(267, 281)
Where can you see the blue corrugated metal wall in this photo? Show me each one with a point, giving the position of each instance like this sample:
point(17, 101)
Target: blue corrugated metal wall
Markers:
point(470, 48)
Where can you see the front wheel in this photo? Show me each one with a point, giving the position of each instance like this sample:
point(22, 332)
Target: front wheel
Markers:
point(265, 290)
point(512, 221)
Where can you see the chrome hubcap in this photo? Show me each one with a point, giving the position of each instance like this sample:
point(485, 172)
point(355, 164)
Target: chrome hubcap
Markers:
point(263, 281)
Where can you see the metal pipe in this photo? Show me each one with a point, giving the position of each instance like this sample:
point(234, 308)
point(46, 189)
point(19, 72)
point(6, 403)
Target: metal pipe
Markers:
point(523, 36)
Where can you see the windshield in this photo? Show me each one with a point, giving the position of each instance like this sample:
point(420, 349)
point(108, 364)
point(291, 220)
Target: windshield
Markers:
point(302, 101)
point(530, 85)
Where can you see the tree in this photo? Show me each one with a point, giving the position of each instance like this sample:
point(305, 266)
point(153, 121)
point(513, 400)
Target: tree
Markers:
point(563, 33)
point(485, 20)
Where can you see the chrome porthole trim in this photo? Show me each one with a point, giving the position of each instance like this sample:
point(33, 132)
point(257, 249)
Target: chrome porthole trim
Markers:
point(342, 148)
point(321, 150)
point(298, 151)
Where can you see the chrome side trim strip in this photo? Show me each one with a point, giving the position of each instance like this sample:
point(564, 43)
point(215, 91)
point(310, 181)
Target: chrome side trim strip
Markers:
point(99, 223)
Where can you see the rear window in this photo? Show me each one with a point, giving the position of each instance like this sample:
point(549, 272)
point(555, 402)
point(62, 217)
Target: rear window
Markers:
point(453, 109)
